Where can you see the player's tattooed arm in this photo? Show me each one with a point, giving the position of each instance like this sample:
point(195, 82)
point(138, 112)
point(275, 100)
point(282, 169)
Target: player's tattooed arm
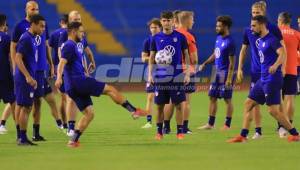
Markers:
point(242, 57)
point(20, 64)
point(49, 58)
point(92, 66)
point(230, 71)
point(211, 59)
point(280, 60)
point(145, 57)
point(150, 66)
point(60, 68)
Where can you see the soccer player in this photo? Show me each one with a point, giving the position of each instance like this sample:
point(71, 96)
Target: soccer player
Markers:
point(80, 87)
point(26, 60)
point(221, 87)
point(291, 39)
point(154, 27)
point(54, 45)
point(186, 22)
point(44, 61)
point(6, 77)
point(267, 89)
point(168, 77)
point(71, 108)
point(251, 39)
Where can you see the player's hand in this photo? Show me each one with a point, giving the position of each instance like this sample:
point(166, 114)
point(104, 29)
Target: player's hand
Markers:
point(58, 83)
point(52, 71)
point(187, 79)
point(31, 82)
point(92, 68)
point(201, 67)
point(240, 76)
point(273, 69)
point(228, 83)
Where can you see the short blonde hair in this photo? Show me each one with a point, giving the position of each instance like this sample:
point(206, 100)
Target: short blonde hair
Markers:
point(261, 5)
point(184, 15)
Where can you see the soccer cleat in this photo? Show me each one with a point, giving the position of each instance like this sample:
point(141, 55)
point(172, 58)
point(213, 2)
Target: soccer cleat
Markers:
point(225, 128)
point(70, 133)
point(180, 136)
point(38, 138)
point(205, 127)
point(26, 143)
point(188, 131)
point(237, 139)
point(256, 136)
point(293, 138)
point(158, 136)
point(147, 125)
point(73, 144)
point(138, 113)
point(3, 130)
point(282, 132)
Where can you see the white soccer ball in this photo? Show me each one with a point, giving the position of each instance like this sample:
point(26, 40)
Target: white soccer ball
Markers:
point(163, 58)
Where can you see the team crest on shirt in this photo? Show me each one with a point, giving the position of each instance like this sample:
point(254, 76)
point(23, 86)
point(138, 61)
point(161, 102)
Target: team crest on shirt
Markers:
point(175, 39)
point(217, 52)
point(223, 44)
point(264, 44)
point(38, 40)
point(80, 47)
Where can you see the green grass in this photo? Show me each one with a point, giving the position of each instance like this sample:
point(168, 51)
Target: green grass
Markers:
point(116, 142)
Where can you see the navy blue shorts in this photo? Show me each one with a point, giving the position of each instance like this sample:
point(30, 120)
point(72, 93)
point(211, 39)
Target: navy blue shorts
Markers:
point(82, 88)
point(150, 88)
point(43, 87)
point(218, 89)
point(7, 91)
point(24, 93)
point(191, 87)
point(254, 78)
point(267, 92)
point(289, 85)
point(164, 92)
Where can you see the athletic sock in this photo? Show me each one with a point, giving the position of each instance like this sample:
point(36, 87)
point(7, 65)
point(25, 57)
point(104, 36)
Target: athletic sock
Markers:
point(36, 130)
point(76, 136)
point(129, 106)
point(258, 130)
point(244, 132)
point(211, 120)
point(58, 122)
point(159, 128)
point(228, 121)
point(185, 126)
point(167, 124)
point(18, 131)
point(65, 126)
point(71, 124)
point(179, 129)
point(293, 132)
point(23, 136)
point(149, 118)
point(3, 122)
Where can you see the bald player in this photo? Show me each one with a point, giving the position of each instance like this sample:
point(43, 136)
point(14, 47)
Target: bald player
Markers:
point(291, 39)
point(44, 65)
point(83, 47)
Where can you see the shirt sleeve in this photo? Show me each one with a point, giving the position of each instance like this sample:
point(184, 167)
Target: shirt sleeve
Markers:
point(192, 43)
point(146, 46)
point(277, 33)
point(275, 44)
point(22, 46)
point(62, 38)
point(51, 40)
point(47, 32)
point(68, 52)
point(245, 38)
point(16, 34)
point(231, 51)
point(153, 45)
point(84, 42)
point(183, 42)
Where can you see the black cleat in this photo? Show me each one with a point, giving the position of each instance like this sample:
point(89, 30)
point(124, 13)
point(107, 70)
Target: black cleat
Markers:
point(26, 143)
point(38, 138)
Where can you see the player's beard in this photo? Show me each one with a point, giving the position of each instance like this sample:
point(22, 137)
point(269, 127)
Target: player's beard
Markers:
point(257, 33)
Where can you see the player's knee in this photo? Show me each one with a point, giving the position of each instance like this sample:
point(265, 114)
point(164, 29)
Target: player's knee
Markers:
point(213, 99)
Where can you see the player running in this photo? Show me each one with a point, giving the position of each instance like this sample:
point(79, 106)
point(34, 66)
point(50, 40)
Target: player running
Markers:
point(79, 87)
point(291, 39)
point(221, 87)
point(167, 49)
point(267, 89)
point(154, 27)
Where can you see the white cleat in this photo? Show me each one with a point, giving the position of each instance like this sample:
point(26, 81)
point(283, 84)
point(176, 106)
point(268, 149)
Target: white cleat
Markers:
point(256, 136)
point(147, 125)
point(3, 130)
point(282, 132)
point(70, 133)
point(205, 127)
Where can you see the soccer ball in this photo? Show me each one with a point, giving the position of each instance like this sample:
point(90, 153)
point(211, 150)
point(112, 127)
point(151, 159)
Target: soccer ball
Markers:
point(163, 58)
